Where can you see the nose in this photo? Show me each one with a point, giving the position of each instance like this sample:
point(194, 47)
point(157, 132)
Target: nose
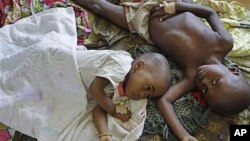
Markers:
point(206, 82)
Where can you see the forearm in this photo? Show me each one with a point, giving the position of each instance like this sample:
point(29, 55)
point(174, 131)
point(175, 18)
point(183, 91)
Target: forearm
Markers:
point(100, 120)
point(198, 10)
point(170, 117)
point(207, 13)
point(165, 106)
point(104, 102)
point(96, 90)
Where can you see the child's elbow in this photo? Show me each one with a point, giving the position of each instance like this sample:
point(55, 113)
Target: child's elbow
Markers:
point(228, 43)
point(163, 102)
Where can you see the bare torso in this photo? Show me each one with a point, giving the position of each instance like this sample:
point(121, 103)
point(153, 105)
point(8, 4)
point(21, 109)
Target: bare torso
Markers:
point(187, 40)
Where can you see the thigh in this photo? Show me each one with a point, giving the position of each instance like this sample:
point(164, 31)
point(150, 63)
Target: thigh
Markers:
point(111, 12)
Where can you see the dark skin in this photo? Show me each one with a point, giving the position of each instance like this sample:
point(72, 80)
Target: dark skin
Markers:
point(195, 47)
point(191, 44)
point(104, 106)
point(140, 82)
point(100, 120)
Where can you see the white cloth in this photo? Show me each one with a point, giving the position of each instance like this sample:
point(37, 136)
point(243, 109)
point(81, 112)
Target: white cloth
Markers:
point(40, 87)
point(41, 91)
point(113, 65)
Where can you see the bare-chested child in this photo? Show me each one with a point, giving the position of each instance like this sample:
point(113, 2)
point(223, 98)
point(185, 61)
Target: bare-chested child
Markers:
point(177, 29)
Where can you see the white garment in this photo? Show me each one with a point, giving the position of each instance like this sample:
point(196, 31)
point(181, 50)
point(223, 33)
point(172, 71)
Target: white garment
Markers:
point(113, 65)
point(40, 87)
point(41, 91)
point(110, 64)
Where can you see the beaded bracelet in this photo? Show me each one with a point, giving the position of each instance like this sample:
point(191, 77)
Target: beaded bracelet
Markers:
point(104, 134)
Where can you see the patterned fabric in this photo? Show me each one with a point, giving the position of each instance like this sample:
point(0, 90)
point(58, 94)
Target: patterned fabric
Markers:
point(105, 35)
point(202, 118)
point(22, 137)
point(191, 112)
point(4, 133)
point(13, 10)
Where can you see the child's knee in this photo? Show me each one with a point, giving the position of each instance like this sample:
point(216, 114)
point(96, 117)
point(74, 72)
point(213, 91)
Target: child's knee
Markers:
point(187, 1)
point(96, 8)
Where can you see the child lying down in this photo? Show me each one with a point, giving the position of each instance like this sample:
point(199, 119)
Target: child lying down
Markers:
point(48, 88)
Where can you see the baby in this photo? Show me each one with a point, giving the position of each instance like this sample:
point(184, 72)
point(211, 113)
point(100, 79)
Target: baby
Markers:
point(146, 76)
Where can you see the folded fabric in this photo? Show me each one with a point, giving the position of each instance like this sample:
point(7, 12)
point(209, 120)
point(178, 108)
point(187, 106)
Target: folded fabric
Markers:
point(41, 90)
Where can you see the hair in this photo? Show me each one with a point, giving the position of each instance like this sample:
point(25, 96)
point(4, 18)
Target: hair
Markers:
point(159, 63)
point(235, 101)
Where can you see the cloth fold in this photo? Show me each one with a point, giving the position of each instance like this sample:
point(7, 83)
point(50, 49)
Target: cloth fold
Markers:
point(41, 91)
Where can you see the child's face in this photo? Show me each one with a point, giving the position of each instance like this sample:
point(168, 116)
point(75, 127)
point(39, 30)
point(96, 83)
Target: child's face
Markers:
point(216, 82)
point(142, 84)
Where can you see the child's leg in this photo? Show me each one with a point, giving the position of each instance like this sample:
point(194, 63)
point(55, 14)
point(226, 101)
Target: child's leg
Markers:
point(113, 13)
point(187, 1)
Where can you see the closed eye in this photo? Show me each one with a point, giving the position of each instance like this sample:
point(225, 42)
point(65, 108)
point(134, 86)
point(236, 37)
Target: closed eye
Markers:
point(148, 90)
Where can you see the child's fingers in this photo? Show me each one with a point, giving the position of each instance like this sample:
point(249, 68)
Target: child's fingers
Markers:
point(163, 18)
point(156, 12)
point(125, 117)
point(128, 111)
point(155, 9)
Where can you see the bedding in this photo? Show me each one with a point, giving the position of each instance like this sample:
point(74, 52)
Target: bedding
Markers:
point(36, 61)
point(210, 125)
point(204, 124)
point(41, 83)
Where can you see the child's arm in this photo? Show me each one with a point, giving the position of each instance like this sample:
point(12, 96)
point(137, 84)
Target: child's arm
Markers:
point(104, 101)
point(166, 108)
point(100, 121)
point(210, 15)
point(96, 89)
point(201, 11)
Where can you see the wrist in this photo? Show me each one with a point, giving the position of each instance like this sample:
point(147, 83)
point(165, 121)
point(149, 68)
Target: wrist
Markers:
point(184, 136)
point(169, 7)
point(113, 111)
point(104, 134)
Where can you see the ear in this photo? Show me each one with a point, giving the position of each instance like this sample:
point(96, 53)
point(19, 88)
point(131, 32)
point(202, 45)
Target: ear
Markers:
point(139, 65)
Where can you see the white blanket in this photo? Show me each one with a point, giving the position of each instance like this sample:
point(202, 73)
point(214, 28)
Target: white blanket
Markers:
point(41, 93)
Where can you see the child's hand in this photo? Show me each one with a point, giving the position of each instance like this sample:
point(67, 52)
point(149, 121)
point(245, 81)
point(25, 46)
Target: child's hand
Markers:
point(159, 12)
point(105, 138)
point(189, 138)
point(123, 116)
